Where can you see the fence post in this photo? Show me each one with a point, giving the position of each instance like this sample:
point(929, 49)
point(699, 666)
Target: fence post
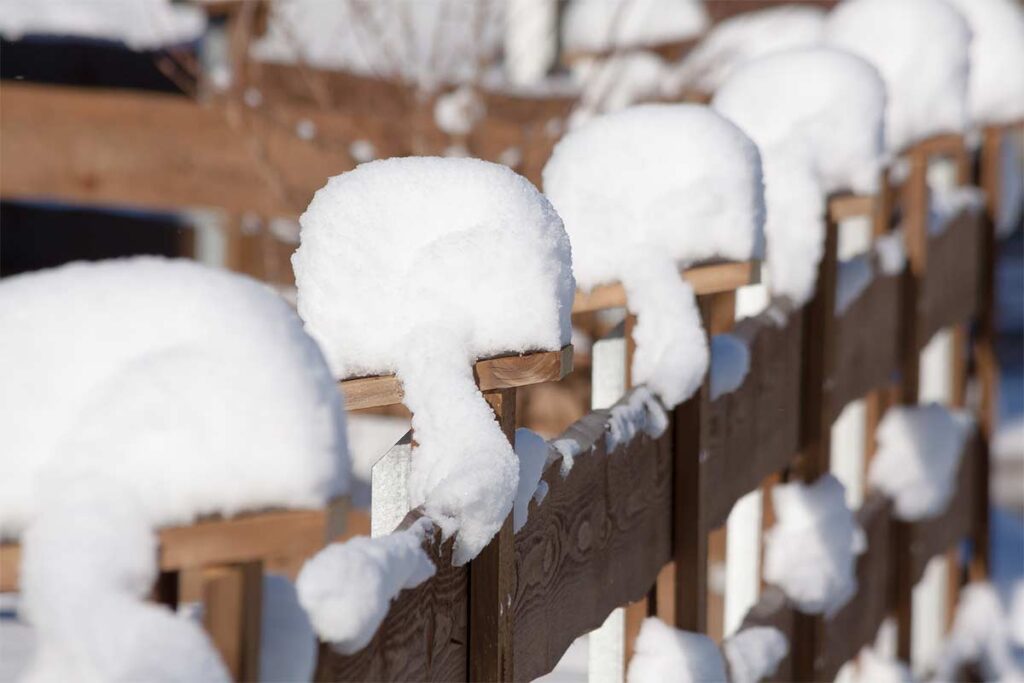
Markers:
point(491, 578)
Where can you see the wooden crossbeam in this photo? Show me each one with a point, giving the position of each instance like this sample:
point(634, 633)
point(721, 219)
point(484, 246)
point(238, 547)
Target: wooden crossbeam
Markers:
point(245, 538)
point(503, 372)
point(844, 206)
point(707, 279)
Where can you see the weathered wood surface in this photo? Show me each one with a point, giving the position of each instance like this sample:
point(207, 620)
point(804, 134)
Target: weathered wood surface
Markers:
point(867, 342)
point(949, 291)
point(502, 372)
point(857, 622)
point(711, 278)
point(720, 10)
point(424, 636)
point(931, 537)
point(596, 542)
point(753, 431)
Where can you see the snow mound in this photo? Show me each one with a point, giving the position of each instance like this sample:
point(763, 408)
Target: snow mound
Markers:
point(995, 87)
point(428, 42)
point(603, 25)
point(664, 654)
point(982, 634)
point(644, 192)
point(193, 387)
point(347, 587)
point(730, 363)
point(745, 37)
point(920, 47)
point(88, 566)
point(139, 24)
point(810, 553)
point(919, 450)
point(824, 136)
point(420, 266)
point(754, 653)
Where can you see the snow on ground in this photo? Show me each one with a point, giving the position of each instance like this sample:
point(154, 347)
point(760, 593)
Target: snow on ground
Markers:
point(420, 266)
point(662, 653)
point(347, 588)
point(603, 25)
point(139, 24)
point(918, 457)
point(824, 136)
point(995, 87)
point(811, 551)
point(643, 192)
point(920, 47)
point(745, 37)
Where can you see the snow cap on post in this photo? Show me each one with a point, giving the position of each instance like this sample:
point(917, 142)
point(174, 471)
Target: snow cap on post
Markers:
point(995, 86)
point(643, 192)
point(420, 266)
point(825, 135)
point(920, 47)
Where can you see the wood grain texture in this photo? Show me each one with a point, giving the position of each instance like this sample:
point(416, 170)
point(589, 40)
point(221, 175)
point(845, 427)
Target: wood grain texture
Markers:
point(596, 542)
point(424, 636)
point(705, 279)
point(857, 622)
point(752, 432)
point(950, 286)
point(867, 342)
point(502, 372)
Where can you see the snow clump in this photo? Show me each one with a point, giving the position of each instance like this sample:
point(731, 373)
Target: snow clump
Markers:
point(744, 37)
point(639, 411)
point(920, 47)
point(919, 452)
point(730, 363)
point(995, 86)
point(348, 587)
point(644, 192)
point(149, 371)
point(982, 634)
point(605, 25)
point(810, 553)
point(532, 451)
point(419, 267)
point(754, 653)
point(664, 654)
point(824, 136)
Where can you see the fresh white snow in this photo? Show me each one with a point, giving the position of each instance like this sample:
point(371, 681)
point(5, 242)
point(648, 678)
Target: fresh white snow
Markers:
point(664, 654)
point(603, 25)
point(420, 266)
point(730, 362)
point(995, 87)
point(920, 47)
point(194, 387)
point(982, 633)
point(644, 192)
point(638, 412)
point(348, 587)
point(811, 551)
point(754, 653)
point(745, 37)
point(139, 24)
point(532, 451)
point(918, 456)
point(824, 136)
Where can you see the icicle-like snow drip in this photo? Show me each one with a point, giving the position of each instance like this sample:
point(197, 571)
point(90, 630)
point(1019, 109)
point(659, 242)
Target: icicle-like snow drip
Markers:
point(347, 588)
point(671, 349)
point(88, 566)
point(465, 478)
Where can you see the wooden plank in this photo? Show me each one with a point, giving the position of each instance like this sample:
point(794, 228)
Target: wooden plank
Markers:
point(503, 372)
point(597, 541)
point(274, 536)
point(753, 431)
point(858, 621)
point(491, 579)
point(424, 636)
point(774, 610)
point(950, 286)
point(232, 597)
point(845, 206)
point(867, 342)
point(705, 279)
point(720, 10)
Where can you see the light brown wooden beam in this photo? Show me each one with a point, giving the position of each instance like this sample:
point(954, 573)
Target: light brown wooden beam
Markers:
point(845, 206)
point(708, 279)
point(504, 372)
